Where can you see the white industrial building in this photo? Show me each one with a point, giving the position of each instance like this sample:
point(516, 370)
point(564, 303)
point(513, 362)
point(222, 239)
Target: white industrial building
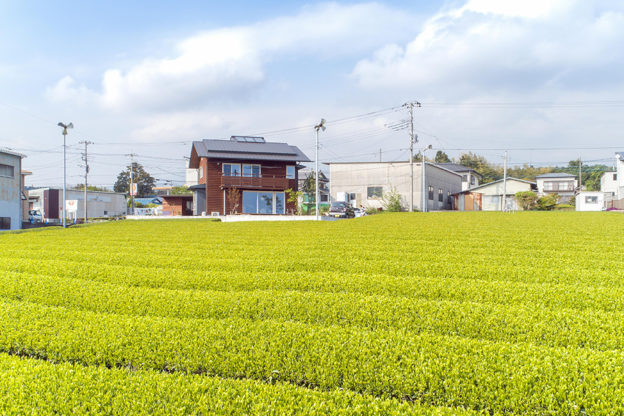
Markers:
point(11, 192)
point(365, 184)
point(49, 201)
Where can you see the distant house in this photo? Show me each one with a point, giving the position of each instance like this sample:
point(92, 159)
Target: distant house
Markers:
point(365, 183)
point(470, 177)
point(560, 183)
point(11, 190)
point(609, 184)
point(489, 197)
point(244, 174)
point(308, 199)
point(177, 205)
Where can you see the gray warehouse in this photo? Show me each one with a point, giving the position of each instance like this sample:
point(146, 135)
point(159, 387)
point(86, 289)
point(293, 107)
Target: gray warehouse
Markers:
point(364, 184)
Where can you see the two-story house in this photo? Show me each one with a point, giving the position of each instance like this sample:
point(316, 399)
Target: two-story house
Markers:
point(470, 177)
point(244, 175)
point(560, 183)
point(308, 202)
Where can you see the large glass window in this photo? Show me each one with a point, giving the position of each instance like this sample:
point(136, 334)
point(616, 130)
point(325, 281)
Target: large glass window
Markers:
point(251, 171)
point(290, 172)
point(279, 203)
point(374, 192)
point(265, 202)
point(250, 202)
point(231, 169)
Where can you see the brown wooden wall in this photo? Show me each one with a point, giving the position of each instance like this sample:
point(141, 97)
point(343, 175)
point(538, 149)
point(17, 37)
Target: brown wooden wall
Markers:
point(215, 195)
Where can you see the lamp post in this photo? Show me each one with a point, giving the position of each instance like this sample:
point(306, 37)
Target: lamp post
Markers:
point(320, 126)
point(65, 127)
point(424, 196)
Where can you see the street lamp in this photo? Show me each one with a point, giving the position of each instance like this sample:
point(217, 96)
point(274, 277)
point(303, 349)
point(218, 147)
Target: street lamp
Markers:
point(320, 126)
point(65, 127)
point(424, 197)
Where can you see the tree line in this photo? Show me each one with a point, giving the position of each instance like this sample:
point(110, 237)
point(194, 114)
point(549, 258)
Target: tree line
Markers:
point(590, 174)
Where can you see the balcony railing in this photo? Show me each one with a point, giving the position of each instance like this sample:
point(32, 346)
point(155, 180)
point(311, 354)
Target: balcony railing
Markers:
point(255, 182)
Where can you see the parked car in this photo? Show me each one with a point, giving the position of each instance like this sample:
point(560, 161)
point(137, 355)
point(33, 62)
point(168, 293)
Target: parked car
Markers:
point(340, 210)
point(359, 212)
point(34, 216)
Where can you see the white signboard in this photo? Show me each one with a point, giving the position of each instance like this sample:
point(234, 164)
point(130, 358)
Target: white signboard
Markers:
point(71, 206)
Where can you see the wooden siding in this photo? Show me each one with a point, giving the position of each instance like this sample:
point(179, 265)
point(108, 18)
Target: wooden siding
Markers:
point(273, 178)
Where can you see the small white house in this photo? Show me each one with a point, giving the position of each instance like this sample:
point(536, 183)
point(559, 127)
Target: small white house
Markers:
point(590, 201)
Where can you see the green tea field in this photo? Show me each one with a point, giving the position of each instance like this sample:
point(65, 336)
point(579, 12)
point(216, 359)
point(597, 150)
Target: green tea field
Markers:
point(394, 314)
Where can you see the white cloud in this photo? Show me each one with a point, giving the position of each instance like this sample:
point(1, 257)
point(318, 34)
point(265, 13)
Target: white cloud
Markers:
point(492, 46)
point(231, 62)
point(66, 89)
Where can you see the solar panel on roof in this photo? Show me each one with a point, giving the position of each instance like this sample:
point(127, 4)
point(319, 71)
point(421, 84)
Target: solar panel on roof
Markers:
point(248, 139)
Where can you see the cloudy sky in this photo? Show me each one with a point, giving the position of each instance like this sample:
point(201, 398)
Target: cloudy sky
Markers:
point(542, 78)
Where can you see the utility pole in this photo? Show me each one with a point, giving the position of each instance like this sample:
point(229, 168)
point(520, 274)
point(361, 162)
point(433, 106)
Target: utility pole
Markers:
point(580, 187)
point(320, 126)
point(131, 155)
point(65, 127)
point(505, 183)
point(85, 157)
point(379, 155)
point(410, 106)
point(423, 182)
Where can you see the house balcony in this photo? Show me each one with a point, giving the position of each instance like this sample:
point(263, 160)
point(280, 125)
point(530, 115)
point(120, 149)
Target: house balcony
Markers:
point(255, 182)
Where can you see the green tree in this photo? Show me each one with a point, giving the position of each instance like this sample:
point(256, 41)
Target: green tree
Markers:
point(441, 157)
point(391, 200)
point(488, 172)
point(180, 190)
point(294, 197)
point(526, 199)
point(94, 188)
point(145, 182)
point(309, 187)
point(547, 202)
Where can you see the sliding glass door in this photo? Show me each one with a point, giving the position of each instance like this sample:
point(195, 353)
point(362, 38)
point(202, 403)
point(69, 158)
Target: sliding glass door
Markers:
point(263, 202)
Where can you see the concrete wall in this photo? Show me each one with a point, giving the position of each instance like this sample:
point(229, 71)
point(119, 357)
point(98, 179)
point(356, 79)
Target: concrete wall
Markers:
point(356, 178)
point(608, 184)
point(99, 204)
point(11, 190)
point(584, 201)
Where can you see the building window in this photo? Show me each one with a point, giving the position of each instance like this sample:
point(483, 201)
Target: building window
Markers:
point(449, 199)
point(591, 199)
point(374, 192)
point(5, 223)
point(472, 180)
point(324, 198)
point(263, 202)
point(7, 171)
point(464, 178)
point(201, 172)
point(290, 172)
point(559, 186)
point(440, 195)
point(251, 171)
point(352, 197)
point(231, 169)
point(430, 193)
point(615, 176)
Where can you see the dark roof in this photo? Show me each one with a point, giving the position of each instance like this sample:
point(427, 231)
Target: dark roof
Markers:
point(509, 178)
point(456, 167)
point(231, 149)
point(556, 175)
